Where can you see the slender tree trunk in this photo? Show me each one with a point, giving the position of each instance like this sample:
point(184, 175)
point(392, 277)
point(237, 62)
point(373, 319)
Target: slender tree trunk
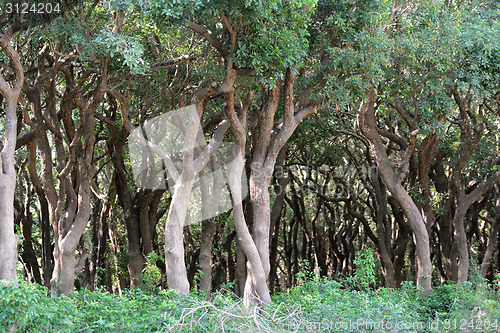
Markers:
point(8, 239)
point(492, 242)
point(261, 210)
point(29, 256)
point(47, 258)
point(384, 246)
point(241, 270)
point(174, 240)
point(256, 289)
point(210, 203)
point(368, 125)
point(275, 225)
point(143, 205)
point(117, 250)
point(227, 258)
point(461, 242)
point(135, 257)
point(464, 202)
point(94, 222)
point(402, 241)
point(102, 264)
point(207, 237)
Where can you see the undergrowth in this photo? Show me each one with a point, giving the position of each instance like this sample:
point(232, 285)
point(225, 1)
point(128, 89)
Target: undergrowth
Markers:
point(316, 305)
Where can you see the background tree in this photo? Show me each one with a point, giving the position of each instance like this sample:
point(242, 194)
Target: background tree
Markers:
point(10, 95)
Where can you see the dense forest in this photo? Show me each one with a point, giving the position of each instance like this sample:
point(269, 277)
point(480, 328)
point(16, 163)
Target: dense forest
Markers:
point(243, 144)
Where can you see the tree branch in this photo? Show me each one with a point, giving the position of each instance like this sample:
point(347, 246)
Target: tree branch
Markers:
point(200, 29)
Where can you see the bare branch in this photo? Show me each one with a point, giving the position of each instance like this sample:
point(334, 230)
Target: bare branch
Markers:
point(200, 29)
point(214, 144)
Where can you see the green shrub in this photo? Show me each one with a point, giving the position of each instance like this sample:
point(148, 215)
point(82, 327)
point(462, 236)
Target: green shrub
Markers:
point(316, 305)
point(364, 276)
point(440, 303)
point(16, 300)
point(151, 274)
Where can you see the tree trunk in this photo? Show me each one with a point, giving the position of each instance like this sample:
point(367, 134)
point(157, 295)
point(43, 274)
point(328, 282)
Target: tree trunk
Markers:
point(261, 210)
point(8, 239)
point(70, 228)
point(28, 255)
point(241, 270)
point(63, 277)
point(383, 241)
point(492, 242)
point(402, 241)
point(207, 237)
point(464, 202)
point(256, 290)
point(135, 257)
point(102, 264)
point(47, 257)
point(461, 242)
point(143, 203)
point(367, 124)
point(174, 240)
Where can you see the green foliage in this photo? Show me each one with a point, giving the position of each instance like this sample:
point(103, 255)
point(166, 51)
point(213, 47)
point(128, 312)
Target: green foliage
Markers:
point(128, 48)
point(93, 39)
point(151, 274)
point(326, 306)
point(317, 305)
point(304, 273)
point(466, 302)
point(364, 276)
point(440, 302)
point(272, 35)
point(16, 302)
point(356, 47)
point(125, 5)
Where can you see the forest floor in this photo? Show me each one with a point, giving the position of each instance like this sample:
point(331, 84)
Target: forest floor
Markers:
point(314, 306)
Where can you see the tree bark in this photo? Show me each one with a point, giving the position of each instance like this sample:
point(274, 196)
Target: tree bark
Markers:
point(368, 126)
point(383, 241)
point(464, 201)
point(135, 257)
point(47, 256)
point(492, 242)
point(25, 222)
point(270, 142)
point(174, 241)
point(8, 239)
point(256, 289)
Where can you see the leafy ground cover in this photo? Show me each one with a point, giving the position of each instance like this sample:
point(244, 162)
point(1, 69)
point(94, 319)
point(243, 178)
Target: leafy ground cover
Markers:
point(315, 305)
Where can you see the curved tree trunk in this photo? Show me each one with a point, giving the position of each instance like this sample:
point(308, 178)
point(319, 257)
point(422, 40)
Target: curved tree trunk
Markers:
point(8, 239)
point(368, 126)
point(174, 240)
point(492, 242)
point(464, 202)
point(47, 256)
point(256, 289)
point(383, 241)
point(69, 202)
point(270, 142)
point(71, 225)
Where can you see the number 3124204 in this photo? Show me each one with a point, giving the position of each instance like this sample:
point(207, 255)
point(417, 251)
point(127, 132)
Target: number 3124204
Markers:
point(31, 8)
